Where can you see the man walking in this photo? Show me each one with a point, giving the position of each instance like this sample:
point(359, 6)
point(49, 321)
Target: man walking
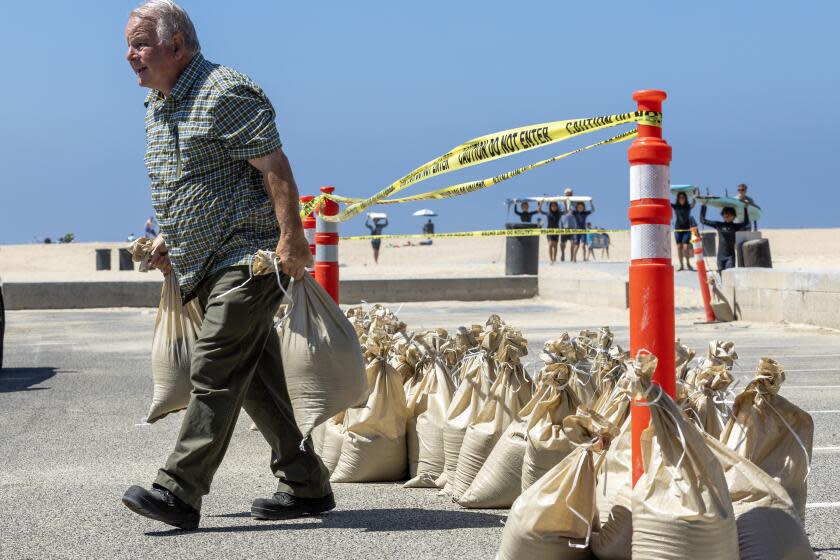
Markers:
point(222, 188)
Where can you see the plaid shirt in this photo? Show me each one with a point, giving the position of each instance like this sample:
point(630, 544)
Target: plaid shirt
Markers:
point(211, 203)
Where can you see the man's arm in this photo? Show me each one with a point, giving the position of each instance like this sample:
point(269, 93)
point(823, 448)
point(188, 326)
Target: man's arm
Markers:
point(293, 248)
point(745, 222)
point(703, 219)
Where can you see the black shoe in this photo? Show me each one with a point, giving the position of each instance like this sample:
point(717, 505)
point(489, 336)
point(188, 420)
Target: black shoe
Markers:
point(286, 506)
point(161, 505)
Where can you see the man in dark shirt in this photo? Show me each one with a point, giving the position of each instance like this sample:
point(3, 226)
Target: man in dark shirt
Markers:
point(429, 227)
point(744, 197)
point(726, 233)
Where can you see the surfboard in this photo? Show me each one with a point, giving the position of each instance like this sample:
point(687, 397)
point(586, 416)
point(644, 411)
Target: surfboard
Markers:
point(377, 215)
point(724, 201)
point(689, 190)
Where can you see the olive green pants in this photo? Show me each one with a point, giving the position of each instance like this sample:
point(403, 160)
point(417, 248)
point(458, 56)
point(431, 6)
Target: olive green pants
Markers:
point(236, 364)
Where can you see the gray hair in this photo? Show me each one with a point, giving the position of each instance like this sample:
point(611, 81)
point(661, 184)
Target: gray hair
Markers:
point(170, 18)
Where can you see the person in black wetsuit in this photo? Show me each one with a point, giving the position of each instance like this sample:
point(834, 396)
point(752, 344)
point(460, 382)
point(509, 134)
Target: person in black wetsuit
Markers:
point(524, 212)
point(682, 227)
point(726, 233)
point(376, 229)
point(552, 222)
point(580, 214)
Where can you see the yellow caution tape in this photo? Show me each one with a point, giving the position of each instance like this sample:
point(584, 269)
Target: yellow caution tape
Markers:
point(486, 233)
point(472, 186)
point(490, 233)
point(492, 147)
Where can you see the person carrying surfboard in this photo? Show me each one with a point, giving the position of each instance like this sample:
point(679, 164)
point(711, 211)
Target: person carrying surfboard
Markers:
point(726, 233)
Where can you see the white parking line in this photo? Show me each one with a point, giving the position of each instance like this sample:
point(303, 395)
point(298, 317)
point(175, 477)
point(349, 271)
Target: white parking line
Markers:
point(823, 505)
point(810, 386)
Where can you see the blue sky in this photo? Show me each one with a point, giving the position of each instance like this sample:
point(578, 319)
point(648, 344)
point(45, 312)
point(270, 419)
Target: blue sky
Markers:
point(366, 91)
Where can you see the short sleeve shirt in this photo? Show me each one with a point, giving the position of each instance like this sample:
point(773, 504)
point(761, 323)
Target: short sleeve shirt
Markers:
point(211, 204)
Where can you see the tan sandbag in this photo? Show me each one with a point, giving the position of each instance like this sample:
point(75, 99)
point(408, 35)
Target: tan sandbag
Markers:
point(614, 539)
point(176, 330)
point(615, 473)
point(510, 392)
point(427, 408)
point(772, 432)
point(330, 448)
point(768, 525)
point(681, 504)
point(564, 350)
point(546, 444)
point(554, 518)
point(497, 483)
point(317, 435)
point(718, 352)
point(721, 305)
point(477, 376)
point(711, 385)
point(684, 355)
point(374, 448)
point(322, 359)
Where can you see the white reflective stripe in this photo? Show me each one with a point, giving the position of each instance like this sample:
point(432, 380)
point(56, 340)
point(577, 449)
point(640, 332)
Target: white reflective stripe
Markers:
point(309, 233)
point(323, 226)
point(326, 253)
point(650, 241)
point(650, 181)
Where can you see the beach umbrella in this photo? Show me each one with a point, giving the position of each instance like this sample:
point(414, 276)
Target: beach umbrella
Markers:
point(425, 212)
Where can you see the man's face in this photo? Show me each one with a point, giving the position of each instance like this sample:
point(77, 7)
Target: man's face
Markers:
point(155, 64)
point(742, 192)
point(728, 217)
point(525, 206)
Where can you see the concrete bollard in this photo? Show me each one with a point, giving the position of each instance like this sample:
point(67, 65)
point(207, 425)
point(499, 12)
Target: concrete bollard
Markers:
point(757, 253)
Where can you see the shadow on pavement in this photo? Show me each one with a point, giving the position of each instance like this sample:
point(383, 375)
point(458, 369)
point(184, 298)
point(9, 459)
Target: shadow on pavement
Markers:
point(371, 520)
point(23, 379)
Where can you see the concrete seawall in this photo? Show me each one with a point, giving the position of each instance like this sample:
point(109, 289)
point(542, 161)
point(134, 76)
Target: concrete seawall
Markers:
point(793, 296)
point(86, 295)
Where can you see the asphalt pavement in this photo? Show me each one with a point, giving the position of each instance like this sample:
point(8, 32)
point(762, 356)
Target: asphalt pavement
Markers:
point(77, 383)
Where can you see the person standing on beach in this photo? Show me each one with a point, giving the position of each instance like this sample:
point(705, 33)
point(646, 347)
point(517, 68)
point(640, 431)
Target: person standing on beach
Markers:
point(580, 214)
point(743, 197)
point(682, 228)
point(376, 229)
point(222, 189)
point(552, 218)
point(524, 212)
point(726, 233)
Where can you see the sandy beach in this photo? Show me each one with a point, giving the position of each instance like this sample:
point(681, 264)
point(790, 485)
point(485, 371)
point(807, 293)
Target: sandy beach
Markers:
point(811, 249)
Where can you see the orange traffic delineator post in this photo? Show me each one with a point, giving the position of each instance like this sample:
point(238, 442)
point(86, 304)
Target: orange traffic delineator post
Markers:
point(700, 264)
point(651, 271)
point(309, 223)
point(326, 246)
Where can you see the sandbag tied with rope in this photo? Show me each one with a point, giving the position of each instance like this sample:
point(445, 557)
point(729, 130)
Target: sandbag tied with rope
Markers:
point(565, 350)
point(373, 447)
point(497, 483)
point(176, 330)
point(681, 505)
point(322, 359)
point(476, 374)
point(546, 443)
point(768, 525)
point(427, 406)
point(555, 517)
point(510, 392)
point(772, 432)
point(708, 400)
point(718, 353)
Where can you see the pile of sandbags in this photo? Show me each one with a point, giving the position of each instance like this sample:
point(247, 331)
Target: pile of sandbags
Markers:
point(717, 482)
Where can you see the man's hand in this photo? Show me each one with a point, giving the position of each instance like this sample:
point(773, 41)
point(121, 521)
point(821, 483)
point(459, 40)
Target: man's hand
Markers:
point(293, 253)
point(292, 249)
point(160, 255)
